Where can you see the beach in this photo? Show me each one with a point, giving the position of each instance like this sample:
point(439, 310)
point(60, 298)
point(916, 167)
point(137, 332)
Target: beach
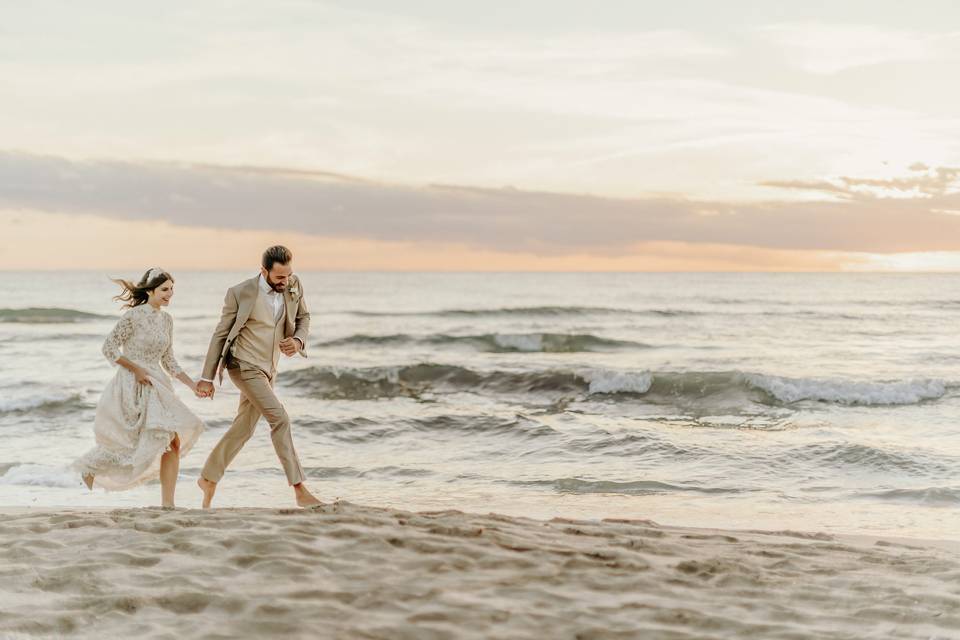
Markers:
point(352, 571)
point(822, 402)
point(667, 455)
point(510, 321)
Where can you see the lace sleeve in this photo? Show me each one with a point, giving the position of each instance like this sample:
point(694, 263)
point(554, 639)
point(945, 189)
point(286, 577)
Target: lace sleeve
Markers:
point(168, 360)
point(117, 338)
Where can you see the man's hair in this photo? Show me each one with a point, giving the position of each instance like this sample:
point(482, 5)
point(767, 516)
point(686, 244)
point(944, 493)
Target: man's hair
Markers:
point(276, 254)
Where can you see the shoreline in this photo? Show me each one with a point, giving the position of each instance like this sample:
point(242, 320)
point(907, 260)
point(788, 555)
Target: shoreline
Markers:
point(849, 538)
point(352, 571)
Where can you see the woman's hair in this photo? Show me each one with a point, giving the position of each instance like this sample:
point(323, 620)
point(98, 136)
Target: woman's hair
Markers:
point(135, 295)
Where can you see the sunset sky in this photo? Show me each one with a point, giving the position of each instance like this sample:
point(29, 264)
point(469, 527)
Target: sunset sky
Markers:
point(438, 135)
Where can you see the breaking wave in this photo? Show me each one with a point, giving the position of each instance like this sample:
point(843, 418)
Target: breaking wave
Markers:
point(495, 342)
point(537, 311)
point(416, 379)
point(45, 315)
point(42, 402)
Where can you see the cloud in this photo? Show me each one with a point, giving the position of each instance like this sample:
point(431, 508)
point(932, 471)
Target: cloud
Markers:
point(931, 183)
point(506, 220)
point(830, 48)
point(600, 106)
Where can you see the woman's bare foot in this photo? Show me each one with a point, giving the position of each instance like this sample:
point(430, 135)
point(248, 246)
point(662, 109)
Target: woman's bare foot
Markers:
point(208, 489)
point(88, 480)
point(305, 499)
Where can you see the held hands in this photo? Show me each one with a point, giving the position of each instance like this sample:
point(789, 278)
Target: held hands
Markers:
point(289, 346)
point(204, 389)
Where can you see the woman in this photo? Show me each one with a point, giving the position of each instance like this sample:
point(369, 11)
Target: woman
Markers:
point(141, 427)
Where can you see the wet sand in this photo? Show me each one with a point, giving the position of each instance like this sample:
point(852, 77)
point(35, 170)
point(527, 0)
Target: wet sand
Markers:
point(352, 571)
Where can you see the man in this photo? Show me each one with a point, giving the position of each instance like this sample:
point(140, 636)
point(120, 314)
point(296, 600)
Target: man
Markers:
point(261, 318)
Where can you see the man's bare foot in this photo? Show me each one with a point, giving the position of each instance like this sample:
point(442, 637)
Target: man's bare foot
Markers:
point(208, 489)
point(88, 480)
point(305, 499)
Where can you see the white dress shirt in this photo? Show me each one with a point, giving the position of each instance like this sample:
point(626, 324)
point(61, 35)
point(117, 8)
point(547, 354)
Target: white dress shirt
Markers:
point(274, 299)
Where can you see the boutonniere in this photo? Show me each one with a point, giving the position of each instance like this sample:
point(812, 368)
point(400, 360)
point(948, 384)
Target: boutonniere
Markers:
point(294, 292)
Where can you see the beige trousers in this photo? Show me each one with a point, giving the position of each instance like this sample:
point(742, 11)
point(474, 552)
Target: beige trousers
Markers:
point(256, 399)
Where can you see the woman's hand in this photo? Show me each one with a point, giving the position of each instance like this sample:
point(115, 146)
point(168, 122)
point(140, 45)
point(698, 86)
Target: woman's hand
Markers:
point(189, 383)
point(142, 376)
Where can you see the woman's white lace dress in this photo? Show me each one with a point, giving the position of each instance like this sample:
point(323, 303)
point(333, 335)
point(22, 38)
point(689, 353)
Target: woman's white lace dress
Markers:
point(135, 423)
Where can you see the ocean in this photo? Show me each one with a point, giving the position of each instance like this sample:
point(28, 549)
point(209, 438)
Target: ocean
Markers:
point(813, 402)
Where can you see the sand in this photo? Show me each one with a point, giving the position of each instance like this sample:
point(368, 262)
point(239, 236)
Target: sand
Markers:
point(351, 571)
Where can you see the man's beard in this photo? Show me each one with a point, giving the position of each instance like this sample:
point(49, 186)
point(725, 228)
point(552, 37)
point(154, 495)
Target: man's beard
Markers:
point(279, 287)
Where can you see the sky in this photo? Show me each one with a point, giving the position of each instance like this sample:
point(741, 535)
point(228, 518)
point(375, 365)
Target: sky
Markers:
point(523, 135)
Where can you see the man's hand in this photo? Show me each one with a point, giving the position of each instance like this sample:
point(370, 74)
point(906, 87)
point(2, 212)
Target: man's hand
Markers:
point(205, 389)
point(289, 346)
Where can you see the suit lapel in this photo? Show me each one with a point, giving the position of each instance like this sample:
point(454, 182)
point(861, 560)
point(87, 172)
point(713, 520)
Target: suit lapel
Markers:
point(251, 289)
point(288, 303)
